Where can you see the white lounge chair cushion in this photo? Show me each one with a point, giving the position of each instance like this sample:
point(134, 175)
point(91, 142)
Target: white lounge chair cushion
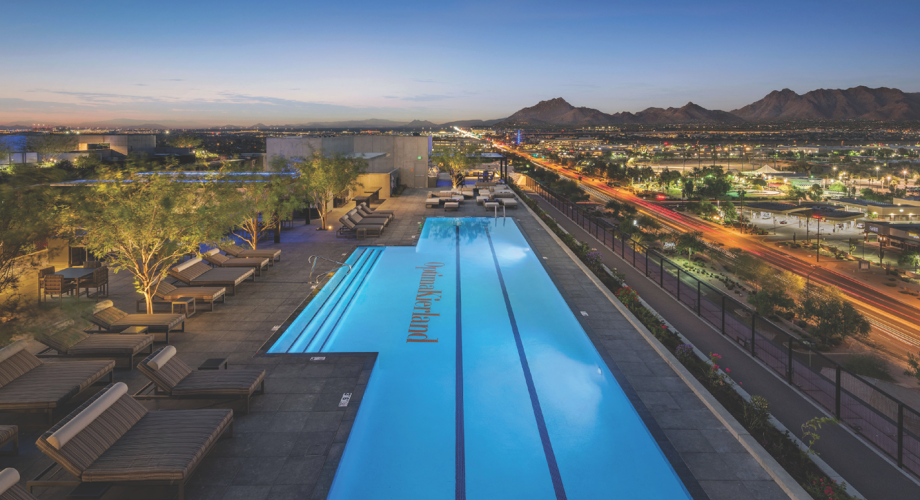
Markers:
point(12, 349)
point(160, 360)
point(8, 478)
point(87, 416)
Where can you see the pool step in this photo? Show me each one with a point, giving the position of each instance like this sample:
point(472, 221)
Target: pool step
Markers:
point(319, 323)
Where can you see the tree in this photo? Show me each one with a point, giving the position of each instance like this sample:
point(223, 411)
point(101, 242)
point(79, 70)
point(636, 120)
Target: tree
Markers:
point(909, 259)
point(620, 210)
point(687, 188)
point(668, 177)
point(767, 300)
point(815, 192)
point(454, 160)
point(690, 242)
point(144, 224)
point(707, 210)
point(184, 141)
point(759, 182)
point(729, 213)
point(832, 316)
point(21, 224)
point(325, 177)
point(569, 190)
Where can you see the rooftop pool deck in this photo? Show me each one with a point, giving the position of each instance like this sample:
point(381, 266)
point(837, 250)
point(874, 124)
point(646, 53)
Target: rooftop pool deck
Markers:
point(485, 386)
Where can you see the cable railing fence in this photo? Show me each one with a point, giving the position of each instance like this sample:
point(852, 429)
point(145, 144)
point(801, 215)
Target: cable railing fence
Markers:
point(882, 419)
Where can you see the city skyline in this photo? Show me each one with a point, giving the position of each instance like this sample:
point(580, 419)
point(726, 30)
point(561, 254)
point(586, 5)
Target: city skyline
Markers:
point(291, 64)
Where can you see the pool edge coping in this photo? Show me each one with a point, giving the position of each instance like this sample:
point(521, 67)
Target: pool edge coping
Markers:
point(783, 479)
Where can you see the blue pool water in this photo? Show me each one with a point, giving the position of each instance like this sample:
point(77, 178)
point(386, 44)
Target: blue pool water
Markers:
point(485, 386)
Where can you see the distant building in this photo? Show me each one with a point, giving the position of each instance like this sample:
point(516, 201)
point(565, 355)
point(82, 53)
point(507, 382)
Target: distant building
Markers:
point(106, 147)
point(392, 159)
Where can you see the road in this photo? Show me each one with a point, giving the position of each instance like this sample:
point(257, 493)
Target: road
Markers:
point(894, 323)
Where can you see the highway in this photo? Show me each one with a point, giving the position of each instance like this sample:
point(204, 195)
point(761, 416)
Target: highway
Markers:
point(894, 323)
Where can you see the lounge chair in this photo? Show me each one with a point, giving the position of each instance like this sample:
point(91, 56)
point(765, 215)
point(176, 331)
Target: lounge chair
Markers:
point(371, 219)
point(112, 319)
point(9, 434)
point(491, 205)
point(215, 258)
point(363, 212)
point(237, 251)
point(167, 293)
point(451, 206)
point(9, 486)
point(349, 228)
point(72, 343)
point(29, 385)
point(112, 438)
point(432, 202)
point(170, 377)
point(377, 210)
point(197, 273)
point(509, 202)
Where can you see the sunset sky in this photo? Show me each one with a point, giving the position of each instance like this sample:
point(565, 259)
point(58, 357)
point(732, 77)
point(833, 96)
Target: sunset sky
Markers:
point(296, 62)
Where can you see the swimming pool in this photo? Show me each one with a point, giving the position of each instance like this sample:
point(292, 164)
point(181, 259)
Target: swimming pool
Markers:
point(485, 385)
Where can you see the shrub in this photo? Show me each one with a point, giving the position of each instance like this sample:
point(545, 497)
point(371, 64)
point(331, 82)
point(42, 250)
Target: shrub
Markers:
point(868, 365)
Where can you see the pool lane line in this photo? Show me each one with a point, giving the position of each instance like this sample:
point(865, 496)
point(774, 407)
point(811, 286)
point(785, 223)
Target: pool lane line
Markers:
point(350, 276)
point(460, 446)
point(369, 268)
point(528, 377)
point(325, 300)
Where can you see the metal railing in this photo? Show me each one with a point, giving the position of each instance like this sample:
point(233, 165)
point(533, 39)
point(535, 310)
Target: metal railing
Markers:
point(879, 417)
point(312, 260)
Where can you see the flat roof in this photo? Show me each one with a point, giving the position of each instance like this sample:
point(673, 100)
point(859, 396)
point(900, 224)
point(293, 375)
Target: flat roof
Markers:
point(836, 215)
point(864, 203)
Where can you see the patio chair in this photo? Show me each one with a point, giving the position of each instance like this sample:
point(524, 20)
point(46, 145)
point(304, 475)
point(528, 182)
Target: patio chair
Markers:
point(197, 273)
point(371, 219)
point(99, 281)
point(170, 377)
point(363, 212)
point(28, 385)
point(237, 251)
point(167, 293)
point(377, 210)
point(92, 264)
point(56, 285)
point(111, 438)
point(69, 342)
point(112, 319)
point(215, 258)
point(349, 228)
point(9, 486)
point(42, 273)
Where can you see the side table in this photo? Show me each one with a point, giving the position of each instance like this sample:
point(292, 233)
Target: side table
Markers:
point(214, 364)
point(187, 304)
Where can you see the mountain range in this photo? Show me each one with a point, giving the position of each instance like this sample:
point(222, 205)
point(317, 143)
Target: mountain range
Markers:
point(857, 103)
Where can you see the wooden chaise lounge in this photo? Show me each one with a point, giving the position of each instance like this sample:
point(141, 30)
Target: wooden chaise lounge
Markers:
point(377, 211)
point(350, 228)
point(238, 251)
point(371, 219)
point(72, 343)
point(28, 385)
point(172, 378)
point(197, 273)
point(112, 438)
point(9, 486)
point(364, 212)
point(112, 319)
point(167, 293)
point(215, 258)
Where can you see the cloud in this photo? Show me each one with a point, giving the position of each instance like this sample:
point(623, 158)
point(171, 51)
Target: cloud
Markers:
point(100, 98)
point(427, 98)
point(422, 80)
point(173, 80)
point(141, 85)
point(390, 97)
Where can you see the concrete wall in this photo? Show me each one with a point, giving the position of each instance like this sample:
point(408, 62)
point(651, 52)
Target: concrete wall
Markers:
point(121, 143)
point(371, 182)
point(407, 154)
